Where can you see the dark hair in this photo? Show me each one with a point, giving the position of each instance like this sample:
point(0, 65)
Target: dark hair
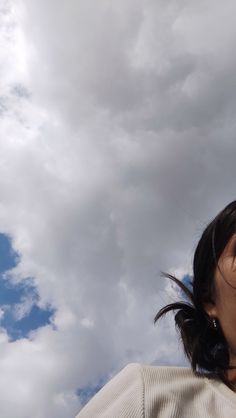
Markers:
point(204, 345)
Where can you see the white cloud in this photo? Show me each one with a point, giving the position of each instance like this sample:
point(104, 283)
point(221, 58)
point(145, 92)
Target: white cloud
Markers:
point(117, 146)
point(23, 308)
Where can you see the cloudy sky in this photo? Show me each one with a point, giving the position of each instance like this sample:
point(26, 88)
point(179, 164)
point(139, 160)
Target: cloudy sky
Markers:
point(117, 146)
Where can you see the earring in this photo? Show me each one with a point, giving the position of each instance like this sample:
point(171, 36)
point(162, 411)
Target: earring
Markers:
point(214, 323)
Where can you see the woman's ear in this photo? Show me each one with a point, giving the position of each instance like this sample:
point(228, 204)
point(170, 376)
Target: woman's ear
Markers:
point(210, 309)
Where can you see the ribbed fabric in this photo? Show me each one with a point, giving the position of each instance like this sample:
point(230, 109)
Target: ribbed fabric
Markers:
point(141, 391)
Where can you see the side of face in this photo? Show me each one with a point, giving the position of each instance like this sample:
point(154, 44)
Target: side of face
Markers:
point(224, 306)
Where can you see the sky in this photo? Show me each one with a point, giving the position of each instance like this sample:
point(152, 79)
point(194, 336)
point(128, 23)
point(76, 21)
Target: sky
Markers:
point(19, 312)
point(117, 139)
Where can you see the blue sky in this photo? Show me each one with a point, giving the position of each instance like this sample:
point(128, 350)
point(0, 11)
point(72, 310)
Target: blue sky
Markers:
point(87, 392)
point(11, 295)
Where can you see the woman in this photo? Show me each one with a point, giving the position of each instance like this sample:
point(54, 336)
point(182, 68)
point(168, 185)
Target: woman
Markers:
point(207, 325)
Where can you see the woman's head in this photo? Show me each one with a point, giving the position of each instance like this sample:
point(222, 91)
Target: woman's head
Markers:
point(208, 323)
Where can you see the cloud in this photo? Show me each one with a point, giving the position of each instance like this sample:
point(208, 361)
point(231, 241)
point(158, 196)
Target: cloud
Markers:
point(117, 147)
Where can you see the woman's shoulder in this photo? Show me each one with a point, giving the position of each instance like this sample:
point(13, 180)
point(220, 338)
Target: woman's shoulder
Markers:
point(126, 391)
point(140, 390)
point(165, 377)
point(121, 396)
point(168, 377)
point(165, 372)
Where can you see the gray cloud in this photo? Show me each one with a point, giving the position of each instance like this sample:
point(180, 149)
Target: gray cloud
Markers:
point(117, 147)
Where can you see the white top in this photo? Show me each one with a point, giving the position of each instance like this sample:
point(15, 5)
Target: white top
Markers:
point(141, 391)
